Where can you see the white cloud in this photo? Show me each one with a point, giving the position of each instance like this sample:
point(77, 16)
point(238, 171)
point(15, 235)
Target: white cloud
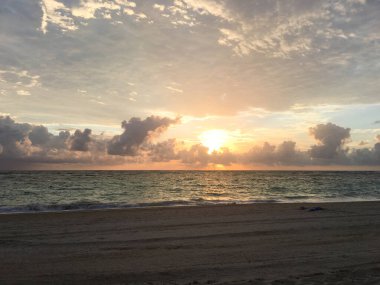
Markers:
point(68, 18)
point(88, 8)
point(280, 33)
point(126, 3)
point(23, 92)
point(19, 81)
point(290, 35)
point(159, 7)
point(97, 102)
point(56, 13)
point(177, 90)
point(213, 8)
point(129, 11)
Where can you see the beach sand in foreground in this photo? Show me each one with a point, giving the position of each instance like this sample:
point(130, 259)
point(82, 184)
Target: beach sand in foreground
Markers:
point(229, 244)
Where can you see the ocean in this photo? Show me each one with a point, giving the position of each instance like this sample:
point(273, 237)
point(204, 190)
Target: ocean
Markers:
point(33, 191)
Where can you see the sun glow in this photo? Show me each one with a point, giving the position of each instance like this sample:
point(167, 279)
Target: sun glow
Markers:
point(213, 139)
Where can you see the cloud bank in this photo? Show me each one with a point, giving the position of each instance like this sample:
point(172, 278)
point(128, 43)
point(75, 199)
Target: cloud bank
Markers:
point(22, 145)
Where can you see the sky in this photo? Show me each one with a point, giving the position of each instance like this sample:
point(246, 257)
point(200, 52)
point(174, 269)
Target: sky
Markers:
point(189, 84)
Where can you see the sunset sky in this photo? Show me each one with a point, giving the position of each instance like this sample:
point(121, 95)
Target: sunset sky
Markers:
point(189, 84)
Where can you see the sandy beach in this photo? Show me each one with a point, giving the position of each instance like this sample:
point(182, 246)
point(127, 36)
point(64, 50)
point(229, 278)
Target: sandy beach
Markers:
point(229, 244)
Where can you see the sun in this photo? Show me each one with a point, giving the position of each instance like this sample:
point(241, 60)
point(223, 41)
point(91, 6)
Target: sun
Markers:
point(213, 139)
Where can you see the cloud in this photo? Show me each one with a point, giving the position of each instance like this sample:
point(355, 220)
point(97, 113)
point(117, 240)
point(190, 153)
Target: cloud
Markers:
point(56, 13)
point(21, 78)
point(13, 138)
point(366, 156)
point(159, 7)
point(22, 145)
point(281, 30)
point(330, 150)
point(214, 8)
point(136, 132)
point(224, 157)
point(39, 135)
point(69, 17)
point(331, 138)
point(23, 92)
point(18, 81)
point(164, 151)
point(264, 154)
point(283, 154)
point(197, 155)
point(79, 141)
point(304, 48)
point(173, 89)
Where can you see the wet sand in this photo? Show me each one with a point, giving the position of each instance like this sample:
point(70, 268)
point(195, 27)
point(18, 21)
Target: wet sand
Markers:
point(230, 244)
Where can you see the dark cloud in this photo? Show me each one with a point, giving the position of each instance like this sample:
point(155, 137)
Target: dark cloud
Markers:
point(283, 154)
point(196, 155)
point(287, 152)
point(136, 132)
point(14, 137)
point(262, 154)
point(377, 122)
point(224, 156)
point(23, 144)
point(376, 149)
point(331, 138)
point(60, 140)
point(164, 151)
point(366, 156)
point(40, 135)
point(80, 140)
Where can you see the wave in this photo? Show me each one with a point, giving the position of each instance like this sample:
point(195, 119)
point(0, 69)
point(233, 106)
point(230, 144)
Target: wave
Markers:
point(89, 205)
point(78, 206)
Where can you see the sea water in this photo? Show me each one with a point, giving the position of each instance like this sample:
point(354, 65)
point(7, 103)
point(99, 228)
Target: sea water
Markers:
point(22, 191)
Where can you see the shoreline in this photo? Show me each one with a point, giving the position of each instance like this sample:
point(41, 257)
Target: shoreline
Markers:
point(222, 244)
point(132, 207)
